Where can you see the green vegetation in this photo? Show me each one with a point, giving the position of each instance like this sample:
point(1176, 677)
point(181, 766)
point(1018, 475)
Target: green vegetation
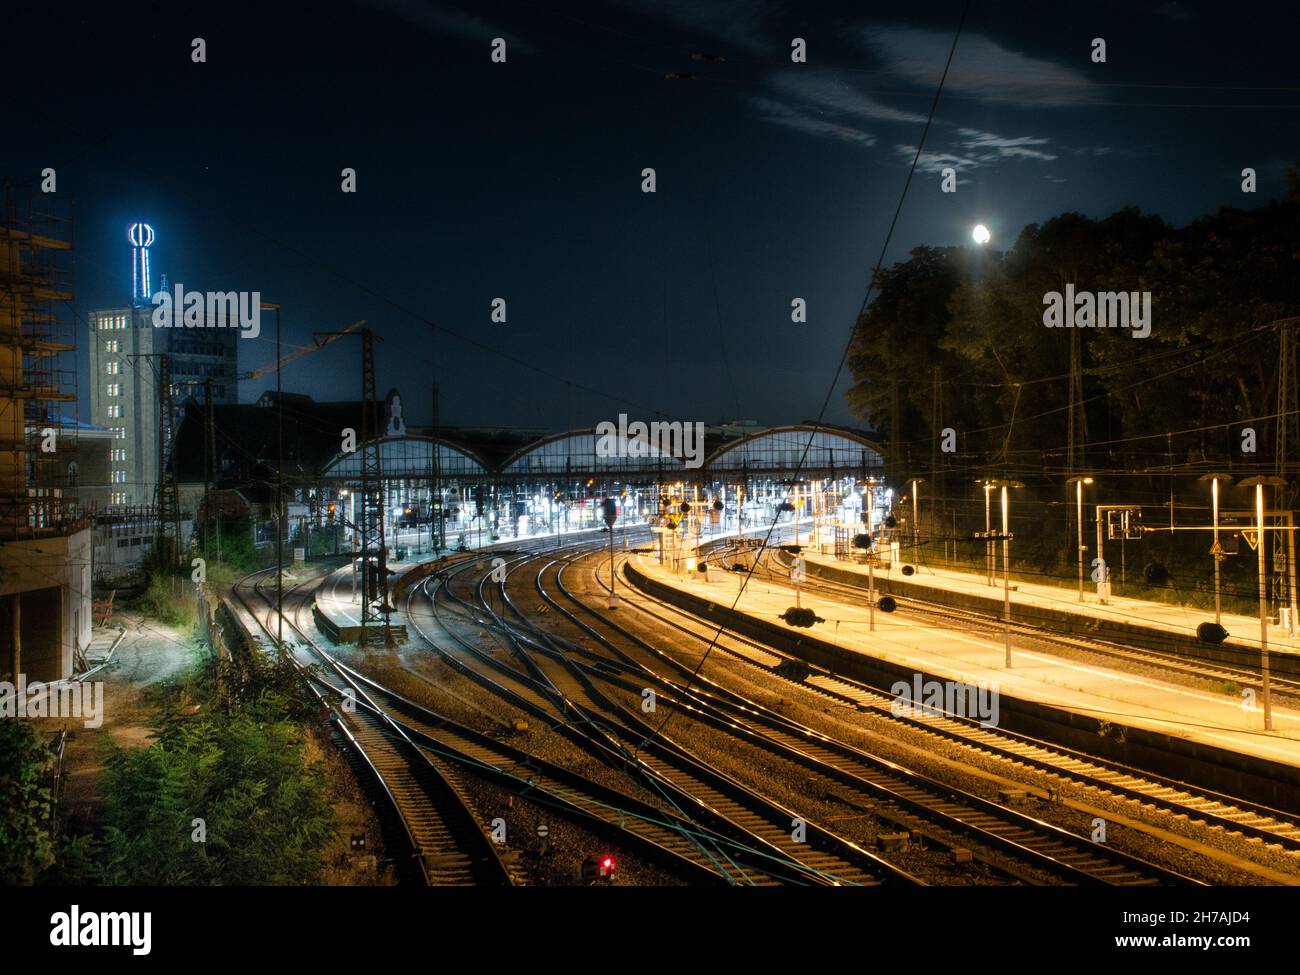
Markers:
point(169, 598)
point(236, 549)
point(26, 803)
point(237, 761)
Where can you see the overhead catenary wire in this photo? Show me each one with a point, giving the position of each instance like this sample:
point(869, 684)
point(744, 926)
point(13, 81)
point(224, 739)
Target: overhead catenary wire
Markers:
point(839, 369)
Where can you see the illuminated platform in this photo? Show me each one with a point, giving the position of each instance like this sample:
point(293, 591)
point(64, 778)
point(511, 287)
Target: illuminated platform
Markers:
point(1088, 702)
point(1034, 602)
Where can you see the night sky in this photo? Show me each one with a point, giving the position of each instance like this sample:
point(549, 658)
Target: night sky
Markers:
point(522, 180)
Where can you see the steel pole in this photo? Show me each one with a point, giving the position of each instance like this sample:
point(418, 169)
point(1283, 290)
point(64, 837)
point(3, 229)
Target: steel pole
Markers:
point(1218, 557)
point(1006, 574)
point(279, 493)
point(988, 531)
point(1078, 494)
point(916, 524)
point(1263, 607)
point(613, 600)
point(871, 593)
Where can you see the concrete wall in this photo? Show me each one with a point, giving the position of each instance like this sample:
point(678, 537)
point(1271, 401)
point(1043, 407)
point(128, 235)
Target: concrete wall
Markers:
point(51, 578)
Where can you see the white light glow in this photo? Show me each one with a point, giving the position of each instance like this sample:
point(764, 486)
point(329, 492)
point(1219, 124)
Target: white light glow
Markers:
point(980, 234)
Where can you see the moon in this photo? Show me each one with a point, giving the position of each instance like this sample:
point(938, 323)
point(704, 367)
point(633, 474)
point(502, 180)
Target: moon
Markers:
point(980, 234)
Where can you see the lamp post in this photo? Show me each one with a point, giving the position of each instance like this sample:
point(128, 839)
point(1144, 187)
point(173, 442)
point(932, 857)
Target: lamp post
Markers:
point(988, 486)
point(1006, 565)
point(1258, 483)
point(1078, 483)
point(916, 518)
point(1217, 550)
point(279, 485)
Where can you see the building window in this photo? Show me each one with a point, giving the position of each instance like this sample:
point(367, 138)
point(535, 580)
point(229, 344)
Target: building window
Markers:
point(113, 389)
point(119, 454)
point(115, 411)
point(110, 345)
point(72, 474)
point(113, 368)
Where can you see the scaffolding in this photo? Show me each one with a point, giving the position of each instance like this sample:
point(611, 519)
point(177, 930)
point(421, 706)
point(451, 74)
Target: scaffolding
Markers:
point(37, 364)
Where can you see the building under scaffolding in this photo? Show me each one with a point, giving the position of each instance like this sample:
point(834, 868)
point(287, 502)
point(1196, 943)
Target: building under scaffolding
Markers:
point(45, 544)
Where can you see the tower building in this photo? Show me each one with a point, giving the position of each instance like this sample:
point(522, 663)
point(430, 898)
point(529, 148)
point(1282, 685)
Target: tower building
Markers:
point(125, 350)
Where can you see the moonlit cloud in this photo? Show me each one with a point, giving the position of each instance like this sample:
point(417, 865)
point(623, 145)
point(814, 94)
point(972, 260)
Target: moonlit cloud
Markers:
point(826, 93)
point(981, 67)
point(779, 113)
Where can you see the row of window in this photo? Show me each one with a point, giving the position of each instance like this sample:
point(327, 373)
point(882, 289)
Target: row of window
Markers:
point(196, 347)
point(113, 368)
point(111, 345)
point(113, 389)
point(199, 369)
point(119, 477)
point(117, 497)
point(115, 321)
point(118, 453)
point(115, 412)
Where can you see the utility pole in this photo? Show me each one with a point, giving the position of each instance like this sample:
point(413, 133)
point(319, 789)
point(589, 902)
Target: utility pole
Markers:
point(1259, 483)
point(374, 576)
point(435, 501)
point(169, 513)
point(210, 458)
point(279, 488)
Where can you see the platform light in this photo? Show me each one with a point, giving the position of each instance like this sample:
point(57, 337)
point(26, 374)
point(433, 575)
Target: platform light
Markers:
point(1078, 483)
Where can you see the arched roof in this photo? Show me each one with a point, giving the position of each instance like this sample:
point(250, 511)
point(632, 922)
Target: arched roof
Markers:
point(781, 448)
point(410, 456)
point(576, 451)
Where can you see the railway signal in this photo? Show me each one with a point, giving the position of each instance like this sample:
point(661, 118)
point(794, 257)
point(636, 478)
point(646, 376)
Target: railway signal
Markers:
point(610, 508)
point(599, 868)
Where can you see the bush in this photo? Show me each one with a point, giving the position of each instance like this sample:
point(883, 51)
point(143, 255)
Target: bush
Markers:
point(265, 811)
point(169, 599)
point(26, 767)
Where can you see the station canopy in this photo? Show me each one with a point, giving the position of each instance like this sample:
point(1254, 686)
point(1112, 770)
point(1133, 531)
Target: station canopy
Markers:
point(782, 449)
point(575, 452)
point(410, 457)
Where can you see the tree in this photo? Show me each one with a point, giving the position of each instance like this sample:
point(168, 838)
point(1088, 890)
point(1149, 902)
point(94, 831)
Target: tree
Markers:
point(27, 763)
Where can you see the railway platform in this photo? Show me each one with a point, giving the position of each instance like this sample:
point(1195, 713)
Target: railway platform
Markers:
point(1143, 711)
point(1140, 621)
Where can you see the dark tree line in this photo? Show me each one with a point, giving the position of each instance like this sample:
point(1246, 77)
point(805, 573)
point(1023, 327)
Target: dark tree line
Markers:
point(955, 339)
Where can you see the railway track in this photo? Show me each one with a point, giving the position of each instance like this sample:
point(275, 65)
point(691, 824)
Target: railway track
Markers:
point(442, 833)
point(451, 749)
point(835, 764)
point(1108, 777)
point(621, 738)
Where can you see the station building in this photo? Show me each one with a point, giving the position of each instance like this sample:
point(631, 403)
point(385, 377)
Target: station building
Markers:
point(446, 488)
